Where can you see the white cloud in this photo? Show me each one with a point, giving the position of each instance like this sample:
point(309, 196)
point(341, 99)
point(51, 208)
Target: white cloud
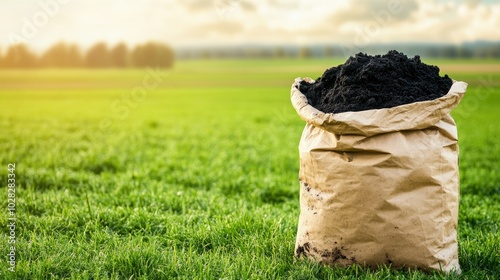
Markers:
point(258, 21)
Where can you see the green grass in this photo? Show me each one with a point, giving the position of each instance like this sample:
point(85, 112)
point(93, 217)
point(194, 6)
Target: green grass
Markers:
point(199, 179)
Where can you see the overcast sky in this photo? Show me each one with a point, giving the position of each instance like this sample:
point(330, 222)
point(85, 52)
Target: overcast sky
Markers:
point(223, 22)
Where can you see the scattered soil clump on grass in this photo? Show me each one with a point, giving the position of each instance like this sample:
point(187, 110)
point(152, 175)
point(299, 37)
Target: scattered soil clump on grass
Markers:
point(367, 82)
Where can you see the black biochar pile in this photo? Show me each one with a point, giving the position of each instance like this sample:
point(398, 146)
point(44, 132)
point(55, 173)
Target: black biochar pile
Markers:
point(367, 82)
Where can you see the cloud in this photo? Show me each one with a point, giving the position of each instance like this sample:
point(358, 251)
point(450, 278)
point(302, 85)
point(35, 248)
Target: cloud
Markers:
point(221, 27)
point(194, 22)
point(364, 11)
point(365, 22)
point(211, 5)
point(472, 3)
point(456, 23)
point(197, 5)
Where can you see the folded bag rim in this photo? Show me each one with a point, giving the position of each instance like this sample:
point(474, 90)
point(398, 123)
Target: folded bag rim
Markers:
point(413, 116)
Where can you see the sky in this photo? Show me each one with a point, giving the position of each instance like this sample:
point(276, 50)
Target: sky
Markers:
point(41, 23)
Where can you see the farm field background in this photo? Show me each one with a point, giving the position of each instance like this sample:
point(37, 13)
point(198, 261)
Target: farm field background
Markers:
point(192, 173)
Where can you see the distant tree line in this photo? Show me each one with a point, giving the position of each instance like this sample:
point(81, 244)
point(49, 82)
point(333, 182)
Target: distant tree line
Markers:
point(479, 50)
point(63, 55)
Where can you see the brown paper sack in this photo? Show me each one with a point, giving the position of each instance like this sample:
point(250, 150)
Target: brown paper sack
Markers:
point(380, 186)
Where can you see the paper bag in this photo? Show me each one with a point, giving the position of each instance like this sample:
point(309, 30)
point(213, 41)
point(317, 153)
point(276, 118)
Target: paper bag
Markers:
point(380, 186)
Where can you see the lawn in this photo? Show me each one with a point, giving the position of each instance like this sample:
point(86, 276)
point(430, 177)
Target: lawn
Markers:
point(193, 173)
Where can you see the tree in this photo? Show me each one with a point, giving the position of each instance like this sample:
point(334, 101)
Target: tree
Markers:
point(19, 56)
point(492, 51)
point(449, 52)
point(305, 52)
point(62, 55)
point(464, 52)
point(205, 54)
point(153, 54)
point(74, 56)
point(98, 56)
point(119, 56)
point(328, 52)
point(279, 52)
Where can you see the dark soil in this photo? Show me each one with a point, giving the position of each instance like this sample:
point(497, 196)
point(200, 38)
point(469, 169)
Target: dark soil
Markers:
point(303, 250)
point(334, 255)
point(367, 82)
point(329, 256)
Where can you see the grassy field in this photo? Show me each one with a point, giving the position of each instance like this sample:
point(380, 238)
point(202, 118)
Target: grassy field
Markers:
point(193, 173)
